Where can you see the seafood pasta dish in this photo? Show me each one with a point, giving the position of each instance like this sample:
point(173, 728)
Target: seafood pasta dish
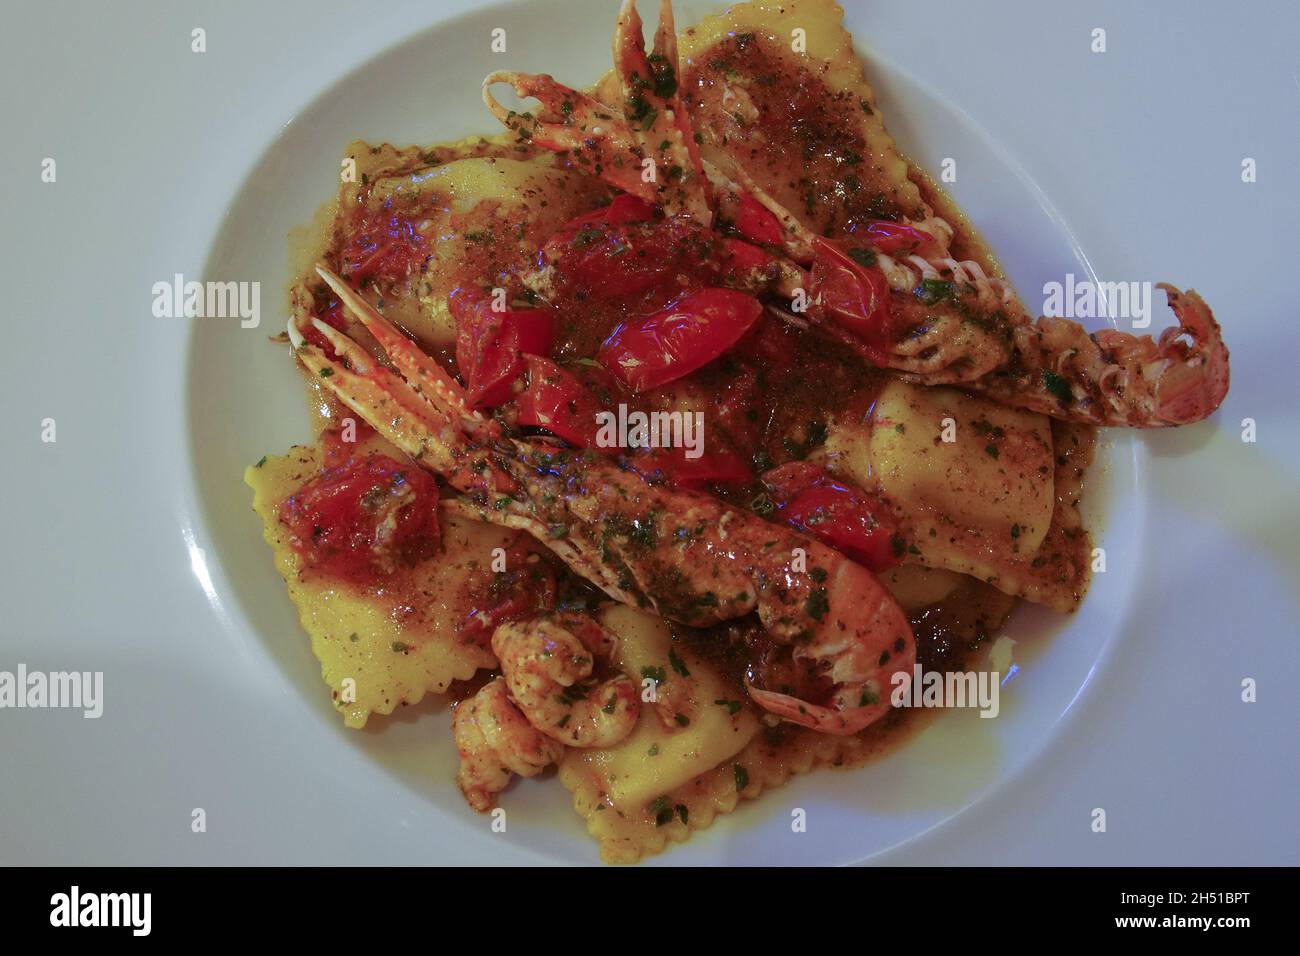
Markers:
point(678, 426)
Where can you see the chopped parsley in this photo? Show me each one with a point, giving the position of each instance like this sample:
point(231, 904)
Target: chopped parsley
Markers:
point(817, 605)
point(1058, 387)
point(934, 291)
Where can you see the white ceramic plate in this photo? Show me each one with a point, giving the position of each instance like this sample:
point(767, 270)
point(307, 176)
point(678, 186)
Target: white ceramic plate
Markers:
point(133, 549)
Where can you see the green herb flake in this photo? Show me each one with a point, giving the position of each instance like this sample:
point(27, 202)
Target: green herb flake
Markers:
point(678, 664)
point(1058, 387)
point(934, 291)
point(817, 604)
point(742, 777)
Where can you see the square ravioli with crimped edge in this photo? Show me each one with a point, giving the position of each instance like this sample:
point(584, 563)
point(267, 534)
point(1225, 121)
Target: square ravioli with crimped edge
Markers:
point(793, 145)
point(980, 488)
point(696, 751)
point(464, 212)
point(377, 650)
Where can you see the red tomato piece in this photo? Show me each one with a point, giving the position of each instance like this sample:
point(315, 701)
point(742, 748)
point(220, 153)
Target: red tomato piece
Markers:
point(682, 338)
point(714, 467)
point(742, 257)
point(616, 260)
point(526, 588)
point(557, 401)
point(756, 222)
point(332, 315)
point(835, 512)
point(383, 244)
point(624, 209)
point(364, 518)
point(855, 297)
point(893, 237)
point(490, 345)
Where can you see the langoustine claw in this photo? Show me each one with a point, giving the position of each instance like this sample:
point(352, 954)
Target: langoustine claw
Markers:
point(647, 148)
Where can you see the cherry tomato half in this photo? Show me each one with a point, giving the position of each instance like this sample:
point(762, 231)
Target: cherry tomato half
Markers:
point(554, 399)
point(682, 338)
point(855, 297)
point(756, 223)
point(526, 588)
point(364, 518)
point(712, 467)
point(894, 237)
point(490, 345)
point(835, 512)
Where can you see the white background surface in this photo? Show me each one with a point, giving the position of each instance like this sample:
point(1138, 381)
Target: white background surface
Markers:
point(208, 704)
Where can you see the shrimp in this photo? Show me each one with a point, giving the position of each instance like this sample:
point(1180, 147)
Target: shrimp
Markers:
point(495, 741)
point(546, 663)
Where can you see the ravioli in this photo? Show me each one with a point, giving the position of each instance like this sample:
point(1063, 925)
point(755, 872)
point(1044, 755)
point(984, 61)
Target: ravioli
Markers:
point(663, 783)
point(378, 651)
point(695, 725)
point(477, 207)
point(998, 502)
point(829, 158)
